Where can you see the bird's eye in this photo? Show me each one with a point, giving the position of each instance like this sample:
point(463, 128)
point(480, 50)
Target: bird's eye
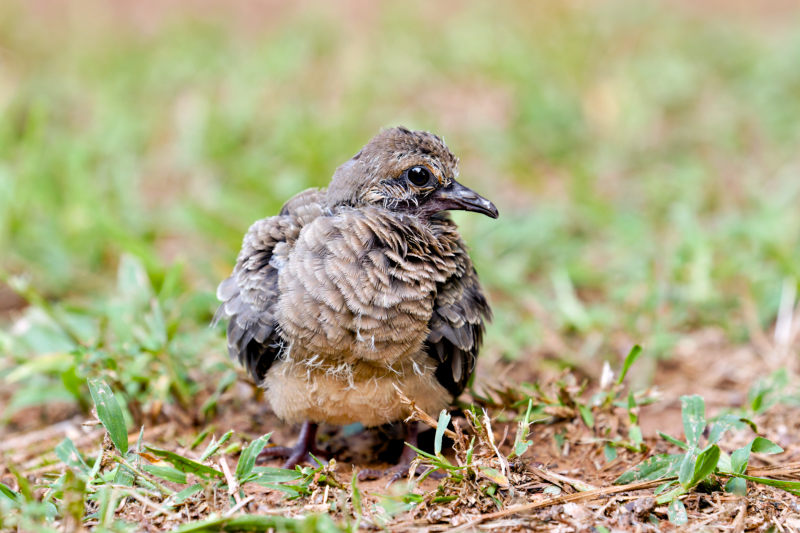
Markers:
point(419, 176)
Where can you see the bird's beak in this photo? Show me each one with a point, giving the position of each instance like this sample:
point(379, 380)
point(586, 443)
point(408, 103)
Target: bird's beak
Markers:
point(457, 197)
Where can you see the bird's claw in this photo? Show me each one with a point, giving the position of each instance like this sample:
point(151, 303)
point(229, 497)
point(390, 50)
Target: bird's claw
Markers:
point(293, 456)
point(301, 452)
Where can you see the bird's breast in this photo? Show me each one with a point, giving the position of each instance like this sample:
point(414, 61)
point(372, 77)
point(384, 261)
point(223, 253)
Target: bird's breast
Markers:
point(353, 288)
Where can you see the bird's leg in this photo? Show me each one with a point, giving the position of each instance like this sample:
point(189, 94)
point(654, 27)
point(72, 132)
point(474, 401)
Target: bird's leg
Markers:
point(403, 465)
point(300, 452)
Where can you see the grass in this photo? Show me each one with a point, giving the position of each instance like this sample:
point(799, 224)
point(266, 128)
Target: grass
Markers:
point(642, 155)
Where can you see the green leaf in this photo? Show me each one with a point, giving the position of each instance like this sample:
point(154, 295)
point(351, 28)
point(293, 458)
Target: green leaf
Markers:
point(247, 460)
point(705, 464)
point(185, 465)
point(70, 456)
point(656, 467)
point(693, 411)
point(493, 474)
point(124, 476)
point(97, 463)
point(166, 472)
point(687, 468)
point(664, 486)
point(610, 452)
point(522, 447)
point(720, 427)
point(673, 440)
point(736, 486)
point(633, 355)
point(586, 414)
point(724, 464)
point(444, 421)
point(741, 457)
point(8, 493)
point(765, 446)
point(110, 414)
point(635, 434)
point(677, 512)
point(632, 416)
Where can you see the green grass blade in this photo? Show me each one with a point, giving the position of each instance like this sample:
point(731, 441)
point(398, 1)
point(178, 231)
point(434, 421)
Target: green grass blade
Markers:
point(792, 487)
point(180, 497)
point(166, 473)
point(356, 499)
point(247, 460)
point(586, 415)
point(263, 474)
point(261, 523)
point(110, 414)
point(673, 440)
point(633, 355)
point(96, 467)
point(185, 465)
point(214, 446)
point(444, 421)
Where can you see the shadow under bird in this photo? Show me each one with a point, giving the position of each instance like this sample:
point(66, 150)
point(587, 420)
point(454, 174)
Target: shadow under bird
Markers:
point(360, 287)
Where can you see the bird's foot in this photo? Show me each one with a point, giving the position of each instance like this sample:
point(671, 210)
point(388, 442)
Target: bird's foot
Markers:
point(294, 456)
point(301, 452)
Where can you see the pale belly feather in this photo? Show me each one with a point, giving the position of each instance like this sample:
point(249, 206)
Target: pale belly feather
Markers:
point(297, 393)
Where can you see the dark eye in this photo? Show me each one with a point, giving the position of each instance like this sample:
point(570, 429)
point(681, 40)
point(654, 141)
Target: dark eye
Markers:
point(419, 176)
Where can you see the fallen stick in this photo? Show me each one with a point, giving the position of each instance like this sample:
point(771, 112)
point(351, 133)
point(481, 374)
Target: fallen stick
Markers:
point(579, 496)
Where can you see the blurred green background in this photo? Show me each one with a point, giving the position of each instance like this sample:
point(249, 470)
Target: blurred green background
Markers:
point(643, 155)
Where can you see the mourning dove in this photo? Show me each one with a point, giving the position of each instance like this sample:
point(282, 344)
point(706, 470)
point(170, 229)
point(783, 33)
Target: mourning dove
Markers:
point(355, 289)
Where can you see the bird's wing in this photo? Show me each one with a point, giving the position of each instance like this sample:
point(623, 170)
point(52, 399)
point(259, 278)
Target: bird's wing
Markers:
point(457, 328)
point(249, 296)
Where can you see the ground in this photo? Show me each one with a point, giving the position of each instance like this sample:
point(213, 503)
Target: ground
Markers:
point(643, 159)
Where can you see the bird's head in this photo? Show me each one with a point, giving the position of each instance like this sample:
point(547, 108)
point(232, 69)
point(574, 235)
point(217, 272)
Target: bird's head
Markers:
point(405, 171)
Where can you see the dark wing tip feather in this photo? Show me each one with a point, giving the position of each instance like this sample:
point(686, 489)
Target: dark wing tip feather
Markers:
point(456, 330)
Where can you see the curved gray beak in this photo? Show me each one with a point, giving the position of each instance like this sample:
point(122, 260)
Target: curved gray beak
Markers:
point(458, 197)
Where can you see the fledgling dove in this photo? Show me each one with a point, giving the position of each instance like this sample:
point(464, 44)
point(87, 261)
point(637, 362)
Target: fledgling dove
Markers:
point(351, 290)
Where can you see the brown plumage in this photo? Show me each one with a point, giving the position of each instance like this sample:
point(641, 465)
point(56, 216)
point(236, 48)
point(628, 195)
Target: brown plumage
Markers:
point(367, 284)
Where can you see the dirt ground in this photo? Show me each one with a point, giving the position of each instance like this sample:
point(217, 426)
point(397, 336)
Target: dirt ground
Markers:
point(704, 364)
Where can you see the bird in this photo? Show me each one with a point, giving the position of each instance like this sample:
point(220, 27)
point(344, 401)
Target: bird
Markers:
point(353, 290)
